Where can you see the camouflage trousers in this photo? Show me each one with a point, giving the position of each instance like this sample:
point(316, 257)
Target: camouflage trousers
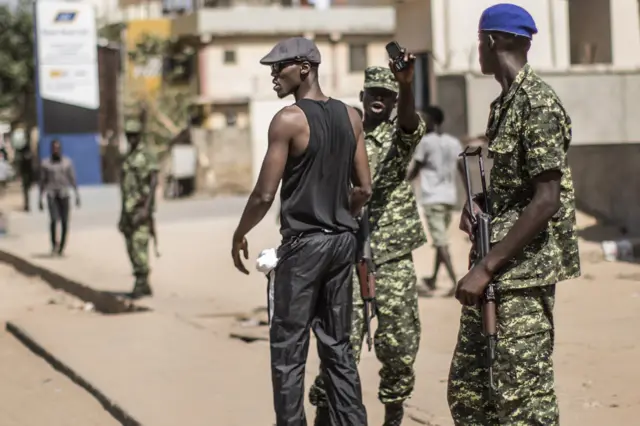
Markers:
point(397, 337)
point(137, 240)
point(523, 369)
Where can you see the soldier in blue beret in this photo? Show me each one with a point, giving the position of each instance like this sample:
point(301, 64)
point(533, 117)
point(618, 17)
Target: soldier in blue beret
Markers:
point(533, 238)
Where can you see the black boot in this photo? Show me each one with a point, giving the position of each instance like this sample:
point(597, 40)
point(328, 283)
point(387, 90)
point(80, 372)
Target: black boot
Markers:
point(322, 417)
point(393, 414)
point(141, 287)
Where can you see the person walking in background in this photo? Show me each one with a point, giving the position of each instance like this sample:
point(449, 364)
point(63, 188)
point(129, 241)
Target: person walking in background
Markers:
point(24, 161)
point(437, 163)
point(57, 177)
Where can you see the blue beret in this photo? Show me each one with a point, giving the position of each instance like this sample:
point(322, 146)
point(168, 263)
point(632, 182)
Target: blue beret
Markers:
point(508, 18)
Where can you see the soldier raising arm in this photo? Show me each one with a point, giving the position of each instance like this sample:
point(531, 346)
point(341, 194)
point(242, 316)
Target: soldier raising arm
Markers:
point(396, 230)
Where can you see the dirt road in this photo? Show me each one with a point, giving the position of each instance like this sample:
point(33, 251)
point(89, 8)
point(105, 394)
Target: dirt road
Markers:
point(31, 392)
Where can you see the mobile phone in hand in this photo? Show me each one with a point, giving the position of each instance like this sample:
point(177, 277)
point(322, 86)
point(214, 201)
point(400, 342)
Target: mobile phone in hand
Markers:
point(396, 55)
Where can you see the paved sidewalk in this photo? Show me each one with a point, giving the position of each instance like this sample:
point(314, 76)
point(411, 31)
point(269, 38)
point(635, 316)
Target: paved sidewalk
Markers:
point(32, 393)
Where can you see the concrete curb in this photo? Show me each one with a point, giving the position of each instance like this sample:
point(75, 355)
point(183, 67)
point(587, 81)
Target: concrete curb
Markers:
point(110, 406)
point(103, 302)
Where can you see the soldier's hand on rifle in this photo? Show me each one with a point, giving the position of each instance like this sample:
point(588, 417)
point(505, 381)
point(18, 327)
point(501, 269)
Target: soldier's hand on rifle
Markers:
point(466, 221)
point(141, 217)
point(240, 245)
point(470, 288)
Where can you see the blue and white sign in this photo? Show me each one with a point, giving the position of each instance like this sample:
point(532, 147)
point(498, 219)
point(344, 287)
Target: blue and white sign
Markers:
point(68, 95)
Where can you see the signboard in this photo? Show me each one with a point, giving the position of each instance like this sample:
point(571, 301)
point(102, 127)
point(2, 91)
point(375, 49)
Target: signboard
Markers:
point(68, 94)
point(68, 66)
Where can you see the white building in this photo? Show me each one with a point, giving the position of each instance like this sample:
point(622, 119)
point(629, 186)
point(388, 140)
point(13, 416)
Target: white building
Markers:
point(572, 34)
point(587, 50)
point(237, 90)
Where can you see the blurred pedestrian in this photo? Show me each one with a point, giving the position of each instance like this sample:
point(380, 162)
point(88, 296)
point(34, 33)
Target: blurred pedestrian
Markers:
point(57, 177)
point(436, 162)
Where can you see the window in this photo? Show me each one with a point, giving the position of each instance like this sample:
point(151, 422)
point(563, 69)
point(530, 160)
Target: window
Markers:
point(232, 118)
point(229, 57)
point(590, 32)
point(357, 57)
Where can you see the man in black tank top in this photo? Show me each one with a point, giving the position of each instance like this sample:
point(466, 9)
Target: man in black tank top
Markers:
point(316, 148)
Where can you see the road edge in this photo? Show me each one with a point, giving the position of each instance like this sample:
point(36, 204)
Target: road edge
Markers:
point(111, 407)
point(104, 303)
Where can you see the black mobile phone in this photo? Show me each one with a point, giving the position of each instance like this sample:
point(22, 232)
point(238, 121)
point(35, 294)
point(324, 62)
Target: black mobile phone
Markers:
point(396, 55)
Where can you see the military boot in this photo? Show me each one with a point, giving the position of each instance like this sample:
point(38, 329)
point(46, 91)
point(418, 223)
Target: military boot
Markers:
point(322, 417)
point(141, 287)
point(393, 414)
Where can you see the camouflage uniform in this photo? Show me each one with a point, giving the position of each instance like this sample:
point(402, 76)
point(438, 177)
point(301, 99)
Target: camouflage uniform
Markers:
point(529, 133)
point(396, 230)
point(137, 167)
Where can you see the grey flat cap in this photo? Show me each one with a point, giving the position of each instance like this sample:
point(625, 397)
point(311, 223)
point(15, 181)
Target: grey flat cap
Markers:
point(292, 49)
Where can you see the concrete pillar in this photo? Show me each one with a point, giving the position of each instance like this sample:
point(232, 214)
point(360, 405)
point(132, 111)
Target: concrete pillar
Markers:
point(625, 33)
point(413, 31)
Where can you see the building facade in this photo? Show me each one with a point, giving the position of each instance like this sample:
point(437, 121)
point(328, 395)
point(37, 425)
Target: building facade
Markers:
point(588, 50)
point(236, 92)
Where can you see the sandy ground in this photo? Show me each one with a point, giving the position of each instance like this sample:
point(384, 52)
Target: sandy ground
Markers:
point(31, 392)
point(597, 340)
point(596, 357)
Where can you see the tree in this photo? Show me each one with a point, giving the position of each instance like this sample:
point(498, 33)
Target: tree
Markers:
point(167, 110)
point(17, 70)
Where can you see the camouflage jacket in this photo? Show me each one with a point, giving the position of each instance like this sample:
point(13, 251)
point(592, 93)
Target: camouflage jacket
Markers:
point(396, 228)
point(529, 132)
point(134, 183)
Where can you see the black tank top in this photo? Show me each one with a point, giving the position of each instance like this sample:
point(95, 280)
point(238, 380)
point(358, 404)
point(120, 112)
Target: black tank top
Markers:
point(316, 184)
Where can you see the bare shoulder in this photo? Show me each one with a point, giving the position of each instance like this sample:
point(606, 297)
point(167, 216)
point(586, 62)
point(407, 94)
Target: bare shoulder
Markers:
point(290, 116)
point(354, 117)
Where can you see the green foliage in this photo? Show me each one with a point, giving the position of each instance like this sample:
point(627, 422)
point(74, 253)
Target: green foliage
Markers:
point(17, 71)
point(111, 32)
point(168, 115)
point(178, 57)
point(149, 46)
point(164, 114)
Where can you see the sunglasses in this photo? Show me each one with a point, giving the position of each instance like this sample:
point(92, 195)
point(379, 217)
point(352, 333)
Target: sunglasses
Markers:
point(279, 66)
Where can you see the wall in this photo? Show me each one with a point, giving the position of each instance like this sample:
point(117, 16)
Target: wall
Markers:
point(224, 160)
point(247, 78)
point(455, 27)
point(605, 151)
point(604, 107)
point(607, 183)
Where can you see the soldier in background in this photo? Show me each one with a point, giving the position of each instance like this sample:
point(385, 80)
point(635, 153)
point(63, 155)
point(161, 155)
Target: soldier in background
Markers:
point(396, 230)
point(138, 181)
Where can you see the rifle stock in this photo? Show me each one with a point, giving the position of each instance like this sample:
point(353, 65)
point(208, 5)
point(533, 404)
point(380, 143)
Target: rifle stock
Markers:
point(366, 274)
point(482, 243)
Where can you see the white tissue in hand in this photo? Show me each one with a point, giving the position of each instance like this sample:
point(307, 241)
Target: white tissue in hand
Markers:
point(267, 260)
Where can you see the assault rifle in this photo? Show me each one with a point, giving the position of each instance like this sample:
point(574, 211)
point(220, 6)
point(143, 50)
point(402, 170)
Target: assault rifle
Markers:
point(366, 274)
point(482, 239)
